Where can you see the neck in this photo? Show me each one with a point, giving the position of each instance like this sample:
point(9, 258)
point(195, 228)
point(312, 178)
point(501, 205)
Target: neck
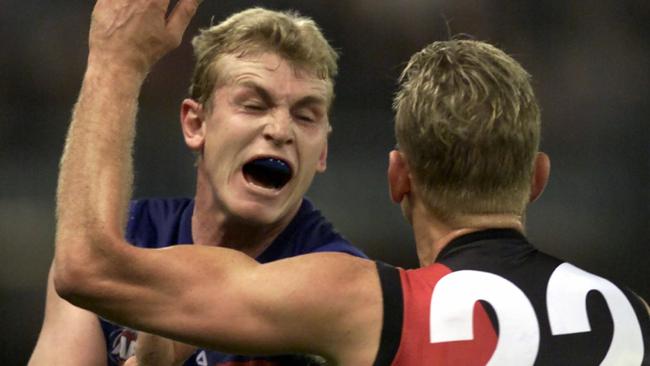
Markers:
point(433, 234)
point(212, 224)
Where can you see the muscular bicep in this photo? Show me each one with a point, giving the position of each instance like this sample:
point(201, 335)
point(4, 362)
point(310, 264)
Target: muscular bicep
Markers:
point(328, 304)
point(222, 299)
point(69, 335)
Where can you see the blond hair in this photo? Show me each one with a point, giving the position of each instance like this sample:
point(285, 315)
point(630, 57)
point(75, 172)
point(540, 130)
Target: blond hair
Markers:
point(469, 126)
point(294, 37)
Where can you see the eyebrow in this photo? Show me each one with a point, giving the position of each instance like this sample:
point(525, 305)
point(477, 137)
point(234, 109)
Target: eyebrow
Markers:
point(268, 98)
point(311, 100)
point(259, 90)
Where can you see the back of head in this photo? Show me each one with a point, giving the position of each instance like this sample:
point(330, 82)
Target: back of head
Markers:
point(294, 37)
point(469, 125)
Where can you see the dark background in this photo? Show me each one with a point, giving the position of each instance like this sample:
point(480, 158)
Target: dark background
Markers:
point(589, 61)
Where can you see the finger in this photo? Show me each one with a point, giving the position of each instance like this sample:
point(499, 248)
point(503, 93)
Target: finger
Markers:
point(180, 17)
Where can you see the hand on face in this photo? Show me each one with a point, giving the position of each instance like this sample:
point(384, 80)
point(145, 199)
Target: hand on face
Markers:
point(135, 34)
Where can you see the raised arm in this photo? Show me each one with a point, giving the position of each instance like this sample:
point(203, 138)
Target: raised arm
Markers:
point(213, 297)
point(126, 38)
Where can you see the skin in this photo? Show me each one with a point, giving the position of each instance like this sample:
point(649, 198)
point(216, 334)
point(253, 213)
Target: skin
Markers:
point(266, 108)
point(334, 308)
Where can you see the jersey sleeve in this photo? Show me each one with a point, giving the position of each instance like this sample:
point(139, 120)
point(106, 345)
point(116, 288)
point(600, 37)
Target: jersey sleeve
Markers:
point(391, 331)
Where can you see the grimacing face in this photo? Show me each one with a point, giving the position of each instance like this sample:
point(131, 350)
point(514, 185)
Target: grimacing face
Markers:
point(264, 137)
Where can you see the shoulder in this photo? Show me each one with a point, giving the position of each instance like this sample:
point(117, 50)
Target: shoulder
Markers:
point(335, 303)
point(330, 275)
point(334, 265)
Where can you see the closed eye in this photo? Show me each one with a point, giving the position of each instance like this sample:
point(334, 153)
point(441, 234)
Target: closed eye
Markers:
point(306, 118)
point(307, 114)
point(310, 109)
point(254, 107)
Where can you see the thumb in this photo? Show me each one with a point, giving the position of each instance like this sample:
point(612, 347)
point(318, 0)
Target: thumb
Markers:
point(180, 17)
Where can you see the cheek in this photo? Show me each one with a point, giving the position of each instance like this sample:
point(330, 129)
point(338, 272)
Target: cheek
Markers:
point(311, 154)
point(218, 152)
point(314, 142)
point(312, 160)
point(223, 138)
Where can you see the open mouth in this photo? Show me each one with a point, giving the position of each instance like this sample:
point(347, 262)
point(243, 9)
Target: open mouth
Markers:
point(269, 173)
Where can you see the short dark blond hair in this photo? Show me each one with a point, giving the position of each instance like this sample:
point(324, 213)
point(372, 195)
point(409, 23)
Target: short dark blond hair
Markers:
point(469, 125)
point(290, 35)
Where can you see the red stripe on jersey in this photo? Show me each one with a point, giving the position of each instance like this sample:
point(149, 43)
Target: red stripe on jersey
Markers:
point(418, 286)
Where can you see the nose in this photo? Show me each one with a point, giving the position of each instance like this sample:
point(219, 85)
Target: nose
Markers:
point(278, 129)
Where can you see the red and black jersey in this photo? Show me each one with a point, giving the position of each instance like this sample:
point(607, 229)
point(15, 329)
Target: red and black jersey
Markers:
point(492, 298)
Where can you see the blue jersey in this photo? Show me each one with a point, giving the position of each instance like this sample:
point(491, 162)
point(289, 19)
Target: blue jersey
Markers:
point(157, 223)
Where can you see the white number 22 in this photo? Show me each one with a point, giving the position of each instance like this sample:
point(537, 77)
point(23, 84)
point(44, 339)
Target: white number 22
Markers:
point(452, 304)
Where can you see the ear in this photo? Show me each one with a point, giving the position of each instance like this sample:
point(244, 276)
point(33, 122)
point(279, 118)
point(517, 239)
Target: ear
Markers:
point(192, 124)
point(322, 160)
point(399, 179)
point(541, 172)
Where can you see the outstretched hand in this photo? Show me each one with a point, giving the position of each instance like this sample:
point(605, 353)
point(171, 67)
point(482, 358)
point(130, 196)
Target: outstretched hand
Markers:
point(135, 34)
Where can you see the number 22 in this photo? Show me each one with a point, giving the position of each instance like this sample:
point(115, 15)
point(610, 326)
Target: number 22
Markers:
point(452, 303)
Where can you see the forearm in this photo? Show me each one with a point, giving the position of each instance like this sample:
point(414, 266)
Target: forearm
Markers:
point(96, 168)
point(125, 40)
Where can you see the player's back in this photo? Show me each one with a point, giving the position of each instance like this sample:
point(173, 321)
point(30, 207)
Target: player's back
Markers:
point(492, 297)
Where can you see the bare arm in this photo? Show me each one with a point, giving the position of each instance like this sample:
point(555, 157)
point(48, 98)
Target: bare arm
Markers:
point(190, 293)
point(221, 299)
point(126, 38)
point(69, 335)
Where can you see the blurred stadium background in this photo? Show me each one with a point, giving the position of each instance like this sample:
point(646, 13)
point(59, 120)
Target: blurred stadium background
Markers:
point(589, 61)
